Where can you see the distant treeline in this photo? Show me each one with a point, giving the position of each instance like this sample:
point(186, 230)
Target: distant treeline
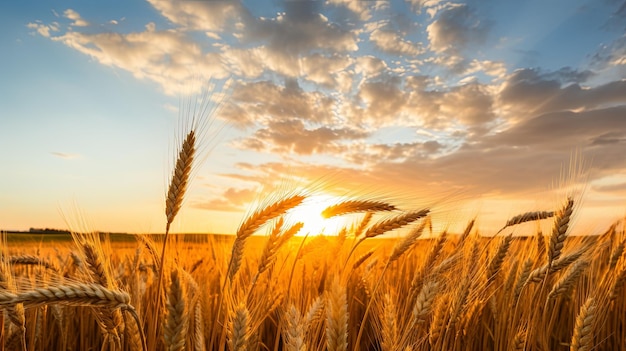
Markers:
point(48, 231)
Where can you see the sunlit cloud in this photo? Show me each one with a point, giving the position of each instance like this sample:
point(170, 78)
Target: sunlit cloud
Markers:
point(74, 16)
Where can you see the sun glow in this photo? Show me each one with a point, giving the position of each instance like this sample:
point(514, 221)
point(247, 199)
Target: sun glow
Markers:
point(310, 214)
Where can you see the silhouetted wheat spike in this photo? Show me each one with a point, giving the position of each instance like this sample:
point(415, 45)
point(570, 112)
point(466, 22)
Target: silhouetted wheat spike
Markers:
point(527, 217)
point(353, 206)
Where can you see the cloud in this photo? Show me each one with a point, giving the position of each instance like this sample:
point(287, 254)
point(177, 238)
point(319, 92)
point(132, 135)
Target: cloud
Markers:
point(360, 8)
point(65, 156)
point(610, 55)
point(211, 16)
point(455, 28)
point(43, 29)
point(74, 16)
point(611, 188)
point(391, 42)
point(168, 58)
point(287, 36)
point(292, 136)
point(528, 92)
point(231, 200)
point(258, 103)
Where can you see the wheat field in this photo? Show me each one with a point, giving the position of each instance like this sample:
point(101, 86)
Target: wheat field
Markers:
point(354, 290)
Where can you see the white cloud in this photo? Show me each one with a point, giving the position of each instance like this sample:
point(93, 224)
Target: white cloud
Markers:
point(74, 16)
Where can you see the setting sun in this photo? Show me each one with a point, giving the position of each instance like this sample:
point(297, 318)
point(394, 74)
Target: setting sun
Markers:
point(310, 213)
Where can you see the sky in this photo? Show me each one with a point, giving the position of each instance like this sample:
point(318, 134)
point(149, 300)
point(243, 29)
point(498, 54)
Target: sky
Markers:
point(475, 108)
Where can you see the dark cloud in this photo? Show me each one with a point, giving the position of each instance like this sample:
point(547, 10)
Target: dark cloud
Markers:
point(559, 130)
point(457, 27)
point(529, 92)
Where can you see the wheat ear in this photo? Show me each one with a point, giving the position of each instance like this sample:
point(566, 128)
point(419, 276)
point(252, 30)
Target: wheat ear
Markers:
point(390, 326)
point(390, 224)
point(582, 340)
point(253, 222)
point(566, 282)
point(336, 318)
point(354, 206)
point(238, 331)
point(527, 217)
point(177, 322)
point(180, 178)
point(496, 262)
point(559, 231)
point(424, 302)
point(294, 330)
point(32, 260)
point(314, 313)
point(406, 243)
point(75, 294)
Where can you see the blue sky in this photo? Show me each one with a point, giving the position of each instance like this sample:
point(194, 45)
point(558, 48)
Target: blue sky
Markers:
point(487, 100)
